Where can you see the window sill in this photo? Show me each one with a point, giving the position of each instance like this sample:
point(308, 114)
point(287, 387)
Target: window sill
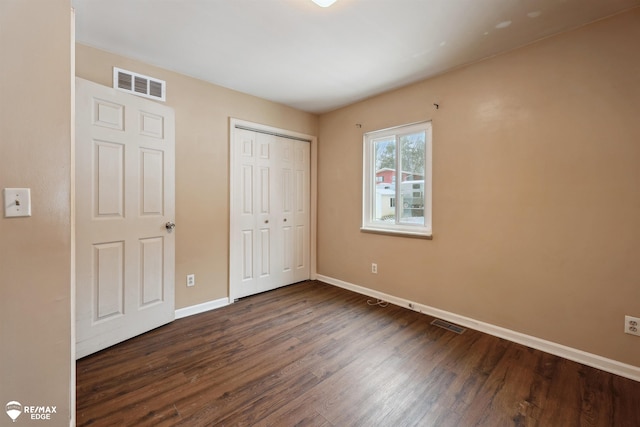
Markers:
point(399, 233)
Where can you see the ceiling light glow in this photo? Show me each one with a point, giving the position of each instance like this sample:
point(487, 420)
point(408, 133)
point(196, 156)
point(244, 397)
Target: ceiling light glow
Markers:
point(324, 3)
point(503, 24)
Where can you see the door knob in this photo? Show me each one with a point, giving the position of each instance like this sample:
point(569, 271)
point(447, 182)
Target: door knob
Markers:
point(266, 221)
point(170, 225)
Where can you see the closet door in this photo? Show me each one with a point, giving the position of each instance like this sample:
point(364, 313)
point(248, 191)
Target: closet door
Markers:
point(299, 210)
point(293, 214)
point(269, 224)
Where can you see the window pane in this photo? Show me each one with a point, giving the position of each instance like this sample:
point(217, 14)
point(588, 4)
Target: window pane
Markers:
point(412, 158)
point(385, 170)
point(397, 180)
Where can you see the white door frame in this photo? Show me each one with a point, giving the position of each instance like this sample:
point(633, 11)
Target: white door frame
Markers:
point(313, 210)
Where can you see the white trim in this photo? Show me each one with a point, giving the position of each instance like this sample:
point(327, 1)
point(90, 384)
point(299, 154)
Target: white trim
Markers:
point(233, 122)
point(201, 308)
point(72, 221)
point(589, 359)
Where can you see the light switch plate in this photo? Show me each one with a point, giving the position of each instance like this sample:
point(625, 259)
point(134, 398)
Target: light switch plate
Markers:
point(17, 202)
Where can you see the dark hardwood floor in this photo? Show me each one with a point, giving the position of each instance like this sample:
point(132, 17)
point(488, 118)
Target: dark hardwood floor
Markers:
point(315, 355)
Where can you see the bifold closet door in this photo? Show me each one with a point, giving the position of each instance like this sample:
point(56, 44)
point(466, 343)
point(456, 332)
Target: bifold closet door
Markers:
point(270, 196)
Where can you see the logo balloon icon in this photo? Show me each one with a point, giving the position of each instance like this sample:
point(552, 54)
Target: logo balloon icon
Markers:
point(14, 409)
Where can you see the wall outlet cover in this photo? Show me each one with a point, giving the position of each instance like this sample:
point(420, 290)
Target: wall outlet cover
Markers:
point(632, 325)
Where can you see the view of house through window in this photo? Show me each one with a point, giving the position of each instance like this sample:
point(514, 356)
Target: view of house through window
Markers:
point(397, 180)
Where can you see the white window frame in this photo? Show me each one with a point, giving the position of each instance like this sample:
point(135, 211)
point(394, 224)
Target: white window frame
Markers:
point(369, 183)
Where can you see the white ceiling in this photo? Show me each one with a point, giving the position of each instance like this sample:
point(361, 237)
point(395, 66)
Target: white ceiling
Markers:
point(318, 59)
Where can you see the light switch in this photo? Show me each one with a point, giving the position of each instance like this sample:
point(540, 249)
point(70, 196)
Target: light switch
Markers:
point(17, 202)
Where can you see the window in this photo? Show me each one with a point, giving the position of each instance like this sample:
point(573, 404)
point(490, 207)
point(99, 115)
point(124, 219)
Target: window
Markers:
point(404, 206)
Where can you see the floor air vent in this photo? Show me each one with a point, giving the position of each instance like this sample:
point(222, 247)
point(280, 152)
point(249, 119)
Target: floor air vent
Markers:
point(448, 326)
point(139, 84)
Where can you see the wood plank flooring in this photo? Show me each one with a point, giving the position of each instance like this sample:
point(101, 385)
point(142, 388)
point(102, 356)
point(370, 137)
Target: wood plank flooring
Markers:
point(312, 354)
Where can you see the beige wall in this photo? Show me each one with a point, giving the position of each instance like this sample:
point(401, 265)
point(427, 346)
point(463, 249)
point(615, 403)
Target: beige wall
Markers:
point(536, 191)
point(35, 252)
point(536, 194)
point(202, 165)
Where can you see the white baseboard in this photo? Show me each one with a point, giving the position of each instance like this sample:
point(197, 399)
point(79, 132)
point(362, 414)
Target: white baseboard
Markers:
point(589, 359)
point(201, 308)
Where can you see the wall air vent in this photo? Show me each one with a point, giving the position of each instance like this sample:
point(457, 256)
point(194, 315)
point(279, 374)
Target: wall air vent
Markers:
point(139, 84)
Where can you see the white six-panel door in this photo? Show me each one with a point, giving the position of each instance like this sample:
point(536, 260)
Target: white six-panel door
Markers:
point(124, 199)
point(270, 215)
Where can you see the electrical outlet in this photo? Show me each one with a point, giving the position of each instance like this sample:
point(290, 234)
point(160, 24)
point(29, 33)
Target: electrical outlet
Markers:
point(191, 279)
point(632, 325)
point(374, 268)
